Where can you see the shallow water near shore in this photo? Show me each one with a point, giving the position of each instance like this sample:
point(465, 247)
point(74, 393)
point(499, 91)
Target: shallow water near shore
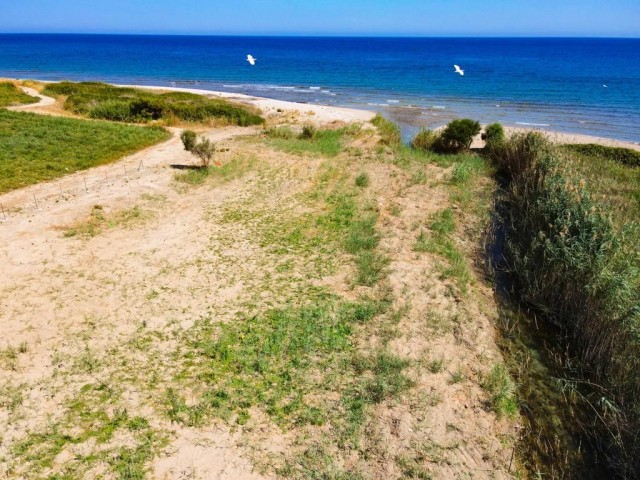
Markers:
point(584, 86)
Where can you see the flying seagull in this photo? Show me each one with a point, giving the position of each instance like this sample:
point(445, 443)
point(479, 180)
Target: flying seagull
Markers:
point(459, 70)
point(251, 60)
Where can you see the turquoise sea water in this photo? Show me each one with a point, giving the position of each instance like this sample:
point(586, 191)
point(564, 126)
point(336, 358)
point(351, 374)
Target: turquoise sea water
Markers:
point(552, 83)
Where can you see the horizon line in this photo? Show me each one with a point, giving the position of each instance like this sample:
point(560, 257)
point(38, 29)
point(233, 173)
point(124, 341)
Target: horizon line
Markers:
point(328, 35)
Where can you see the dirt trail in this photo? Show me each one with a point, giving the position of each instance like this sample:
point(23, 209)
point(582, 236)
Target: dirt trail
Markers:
point(44, 101)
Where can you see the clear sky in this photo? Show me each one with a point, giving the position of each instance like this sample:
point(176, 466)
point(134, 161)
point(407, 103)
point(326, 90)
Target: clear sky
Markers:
point(620, 18)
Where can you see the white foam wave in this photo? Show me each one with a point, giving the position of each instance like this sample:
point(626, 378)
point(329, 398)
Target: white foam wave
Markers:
point(533, 124)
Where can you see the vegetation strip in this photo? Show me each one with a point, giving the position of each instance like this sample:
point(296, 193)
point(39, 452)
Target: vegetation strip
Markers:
point(574, 265)
point(107, 102)
point(37, 148)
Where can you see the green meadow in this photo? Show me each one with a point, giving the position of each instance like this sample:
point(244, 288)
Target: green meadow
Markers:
point(36, 148)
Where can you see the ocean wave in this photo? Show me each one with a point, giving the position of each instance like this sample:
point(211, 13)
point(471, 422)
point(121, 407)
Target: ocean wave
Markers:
point(533, 124)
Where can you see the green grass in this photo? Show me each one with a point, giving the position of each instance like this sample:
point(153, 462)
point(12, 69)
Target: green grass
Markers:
point(328, 143)
point(501, 391)
point(609, 180)
point(363, 180)
point(440, 242)
point(103, 101)
point(625, 156)
point(12, 95)
point(91, 418)
point(225, 172)
point(389, 132)
point(37, 148)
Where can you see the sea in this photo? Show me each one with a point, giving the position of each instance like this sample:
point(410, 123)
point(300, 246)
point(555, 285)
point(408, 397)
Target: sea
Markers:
point(575, 85)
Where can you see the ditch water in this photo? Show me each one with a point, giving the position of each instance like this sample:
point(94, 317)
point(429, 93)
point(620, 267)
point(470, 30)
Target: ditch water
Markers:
point(555, 409)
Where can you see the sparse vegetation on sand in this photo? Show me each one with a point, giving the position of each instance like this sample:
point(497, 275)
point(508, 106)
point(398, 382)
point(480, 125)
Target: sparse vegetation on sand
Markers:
point(276, 319)
point(10, 95)
point(107, 102)
point(36, 148)
point(571, 246)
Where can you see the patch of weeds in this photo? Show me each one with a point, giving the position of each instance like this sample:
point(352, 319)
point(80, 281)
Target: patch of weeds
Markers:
point(456, 377)
point(363, 180)
point(327, 143)
point(87, 420)
point(501, 389)
point(443, 222)
point(11, 396)
point(411, 468)
point(9, 358)
point(440, 243)
point(99, 221)
point(436, 366)
point(362, 235)
point(281, 132)
point(371, 267)
point(419, 177)
point(266, 360)
point(195, 176)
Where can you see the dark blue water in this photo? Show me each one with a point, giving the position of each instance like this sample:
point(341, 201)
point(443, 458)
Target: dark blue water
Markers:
point(555, 83)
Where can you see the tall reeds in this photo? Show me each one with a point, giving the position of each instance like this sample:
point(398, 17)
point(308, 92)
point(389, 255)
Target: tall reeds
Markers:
point(571, 264)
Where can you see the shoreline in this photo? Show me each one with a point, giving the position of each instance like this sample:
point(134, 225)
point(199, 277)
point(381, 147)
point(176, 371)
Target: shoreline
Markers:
point(331, 113)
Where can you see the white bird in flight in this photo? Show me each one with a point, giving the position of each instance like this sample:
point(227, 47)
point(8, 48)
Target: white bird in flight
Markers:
point(459, 70)
point(251, 60)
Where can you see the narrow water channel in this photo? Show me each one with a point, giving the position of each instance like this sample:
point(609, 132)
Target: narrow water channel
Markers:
point(555, 407)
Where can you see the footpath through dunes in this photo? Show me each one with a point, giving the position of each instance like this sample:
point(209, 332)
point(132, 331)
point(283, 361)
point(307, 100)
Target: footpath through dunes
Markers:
point(299, 312)
point(43, 101)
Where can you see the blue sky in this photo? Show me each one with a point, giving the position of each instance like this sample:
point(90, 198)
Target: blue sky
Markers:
point(328, 17)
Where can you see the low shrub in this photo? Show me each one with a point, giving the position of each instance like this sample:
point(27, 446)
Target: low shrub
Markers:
point(424, 140)
point(308, 132)
point(362, 180)
point(389, 131)
point(202, 149)
point(457, 136)
point(189, 139)
point(493, 134)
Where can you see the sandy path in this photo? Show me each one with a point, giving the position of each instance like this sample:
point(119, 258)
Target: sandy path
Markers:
point(44, 100)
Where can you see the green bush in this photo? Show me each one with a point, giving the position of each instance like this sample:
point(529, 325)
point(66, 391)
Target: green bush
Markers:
point(103, 101)
point(362, 180)
point(189, 139)
point(389, 131)
point(570, 264)
point(202, 149)
point(457, 136)
point(424, 140)
point(626, 156)
point(309, 132)
point(493, 134)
